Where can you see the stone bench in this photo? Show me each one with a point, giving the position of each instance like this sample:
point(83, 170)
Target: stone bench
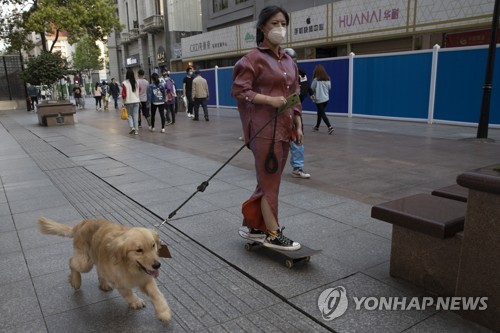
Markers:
point(454, 192)
point(426, 240)
point(52, 114)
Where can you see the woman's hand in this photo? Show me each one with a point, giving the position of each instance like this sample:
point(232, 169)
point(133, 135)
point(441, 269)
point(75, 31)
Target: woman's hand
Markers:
point(277, 102)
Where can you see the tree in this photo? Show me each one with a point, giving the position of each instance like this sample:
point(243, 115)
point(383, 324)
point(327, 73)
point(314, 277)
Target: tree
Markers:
point(45, 69)
point(93, 18)
point(86, 57)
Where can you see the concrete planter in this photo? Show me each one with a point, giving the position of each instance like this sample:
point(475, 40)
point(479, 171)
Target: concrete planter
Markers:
point(56, 113)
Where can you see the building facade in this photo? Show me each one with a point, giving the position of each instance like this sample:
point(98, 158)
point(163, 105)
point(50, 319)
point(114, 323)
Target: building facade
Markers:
point(322, 29)
point(175, 33)
point(151, 38)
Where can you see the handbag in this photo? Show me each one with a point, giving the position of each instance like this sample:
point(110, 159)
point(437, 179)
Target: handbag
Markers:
point(124, 113)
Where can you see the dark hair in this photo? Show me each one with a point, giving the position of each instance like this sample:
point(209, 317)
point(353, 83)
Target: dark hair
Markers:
point(264, 16)
point(130, 76)
point(141, 72)
point(155, 78)
point(188, 69)
point(320, 73)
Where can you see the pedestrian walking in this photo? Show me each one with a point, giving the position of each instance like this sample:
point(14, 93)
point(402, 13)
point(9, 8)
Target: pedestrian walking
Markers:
point(260, 88)
point(321, 86)
point(200, 94)
point(143, 96)
point(33, 96)
point(98, 96)
point(187, 87)
point(114, 91)
point(105, 94)
point(77, 95)
point(130, 95)
point(156, 99)
point(170, 96)
point(296, 150)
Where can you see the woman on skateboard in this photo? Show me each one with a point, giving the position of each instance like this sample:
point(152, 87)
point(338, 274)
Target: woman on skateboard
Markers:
point(262, 81)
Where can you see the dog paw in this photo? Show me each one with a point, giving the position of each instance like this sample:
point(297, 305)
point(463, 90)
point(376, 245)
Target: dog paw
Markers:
point(105, 287)
point(164, 316)
point(137, 303)
point(75, 281)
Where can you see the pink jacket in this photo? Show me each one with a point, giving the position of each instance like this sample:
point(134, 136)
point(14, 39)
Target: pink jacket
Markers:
point(261, 71)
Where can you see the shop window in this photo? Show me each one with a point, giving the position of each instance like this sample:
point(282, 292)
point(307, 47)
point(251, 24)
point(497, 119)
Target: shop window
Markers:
point(219, 5)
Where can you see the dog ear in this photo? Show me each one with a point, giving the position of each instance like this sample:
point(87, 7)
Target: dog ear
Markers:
point(118, 248)
point(156, 237)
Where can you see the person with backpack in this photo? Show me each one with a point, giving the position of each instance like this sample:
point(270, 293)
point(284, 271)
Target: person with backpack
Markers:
point(105, 94)
point(170, 95)
point(156, 99)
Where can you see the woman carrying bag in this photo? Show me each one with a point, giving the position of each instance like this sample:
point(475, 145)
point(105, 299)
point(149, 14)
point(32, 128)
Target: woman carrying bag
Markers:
point(130, 95)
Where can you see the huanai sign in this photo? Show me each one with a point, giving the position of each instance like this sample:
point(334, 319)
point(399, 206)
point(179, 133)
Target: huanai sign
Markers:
point(352, 17)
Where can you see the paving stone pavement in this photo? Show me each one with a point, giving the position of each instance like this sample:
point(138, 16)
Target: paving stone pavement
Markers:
point(95, 169)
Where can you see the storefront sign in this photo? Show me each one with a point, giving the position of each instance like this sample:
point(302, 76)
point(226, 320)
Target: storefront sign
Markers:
point(359, 17)
point(309, 25)
point(214, 42)
point(132, 61)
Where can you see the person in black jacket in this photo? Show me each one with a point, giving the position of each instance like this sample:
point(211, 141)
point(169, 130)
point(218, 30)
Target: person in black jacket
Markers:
point(114, 90)
point(297, 151)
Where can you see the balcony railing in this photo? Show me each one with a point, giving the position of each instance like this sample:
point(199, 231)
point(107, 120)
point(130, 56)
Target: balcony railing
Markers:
point(125, 37)
point(153, 23)
point(134, 34)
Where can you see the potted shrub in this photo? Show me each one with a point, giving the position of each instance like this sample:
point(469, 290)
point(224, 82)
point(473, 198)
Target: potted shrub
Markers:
point(45, 70)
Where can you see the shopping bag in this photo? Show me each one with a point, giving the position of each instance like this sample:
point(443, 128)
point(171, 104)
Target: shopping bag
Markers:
point(124, 113)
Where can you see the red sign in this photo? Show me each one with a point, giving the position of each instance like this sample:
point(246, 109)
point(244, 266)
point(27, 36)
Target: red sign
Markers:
point(479, 37)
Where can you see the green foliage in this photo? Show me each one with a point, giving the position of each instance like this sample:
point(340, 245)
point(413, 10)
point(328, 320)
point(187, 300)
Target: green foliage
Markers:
point(94, 18)
point(86, 57)
point(47, 68)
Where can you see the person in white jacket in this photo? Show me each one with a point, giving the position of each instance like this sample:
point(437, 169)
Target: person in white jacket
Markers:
point(321, 86)
point(131, 100)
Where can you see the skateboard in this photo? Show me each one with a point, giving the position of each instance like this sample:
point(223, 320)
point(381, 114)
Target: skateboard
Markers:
point(303, 254)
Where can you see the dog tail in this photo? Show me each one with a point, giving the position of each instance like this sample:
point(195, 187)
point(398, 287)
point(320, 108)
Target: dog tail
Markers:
point(48, 226)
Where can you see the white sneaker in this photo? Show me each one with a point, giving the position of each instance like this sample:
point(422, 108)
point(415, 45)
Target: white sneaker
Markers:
point(163, 130)
point(152, 129)
point(132, 131)
point(281, 242)
point(299, 173)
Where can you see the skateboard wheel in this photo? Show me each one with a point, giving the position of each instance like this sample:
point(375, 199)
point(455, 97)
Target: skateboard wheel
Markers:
point(306, 259)
point(248, 247)
point(289, 263)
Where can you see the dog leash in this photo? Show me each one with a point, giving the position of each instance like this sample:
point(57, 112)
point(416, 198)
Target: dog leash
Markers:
point(291, 100)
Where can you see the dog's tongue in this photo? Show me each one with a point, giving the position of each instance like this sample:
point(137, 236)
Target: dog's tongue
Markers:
point(155, 273)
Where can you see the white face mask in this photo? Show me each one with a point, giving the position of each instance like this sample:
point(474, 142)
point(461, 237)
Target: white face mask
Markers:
point(277, 35)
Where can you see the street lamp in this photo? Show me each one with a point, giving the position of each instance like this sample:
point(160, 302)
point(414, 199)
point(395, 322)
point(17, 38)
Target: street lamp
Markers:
point(482, 129)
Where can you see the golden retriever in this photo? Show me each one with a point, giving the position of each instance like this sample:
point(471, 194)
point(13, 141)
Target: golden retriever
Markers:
point(125, 258)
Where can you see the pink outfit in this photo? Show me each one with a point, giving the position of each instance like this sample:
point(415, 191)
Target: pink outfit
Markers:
point(261, 71)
